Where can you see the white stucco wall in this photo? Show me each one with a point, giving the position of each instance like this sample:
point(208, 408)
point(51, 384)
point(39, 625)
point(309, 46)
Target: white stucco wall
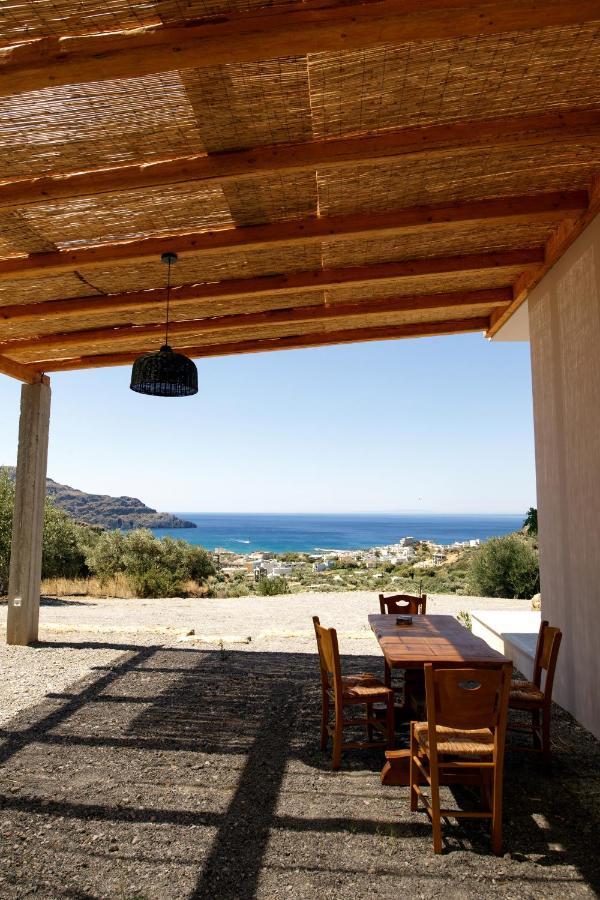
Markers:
point(564, 323)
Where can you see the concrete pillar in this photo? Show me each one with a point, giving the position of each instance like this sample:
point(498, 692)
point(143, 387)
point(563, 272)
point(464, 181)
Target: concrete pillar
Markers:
point(28, 520)
point(564, 327)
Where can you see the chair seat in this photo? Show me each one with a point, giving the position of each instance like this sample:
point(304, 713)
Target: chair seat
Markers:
point(456, 741)
point(524, 692)
point(364, 687)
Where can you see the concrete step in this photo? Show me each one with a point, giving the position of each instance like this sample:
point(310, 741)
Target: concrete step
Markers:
point(512, 632)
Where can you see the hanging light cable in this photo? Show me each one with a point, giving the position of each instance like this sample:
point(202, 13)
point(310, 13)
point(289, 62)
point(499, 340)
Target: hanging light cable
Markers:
point(169, 258)
point(165, 373)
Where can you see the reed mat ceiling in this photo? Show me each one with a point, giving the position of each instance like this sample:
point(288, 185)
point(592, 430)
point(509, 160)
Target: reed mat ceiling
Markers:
point(327, 172)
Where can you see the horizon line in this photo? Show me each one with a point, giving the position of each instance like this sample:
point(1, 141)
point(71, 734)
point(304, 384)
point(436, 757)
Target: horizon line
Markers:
point(410, 512)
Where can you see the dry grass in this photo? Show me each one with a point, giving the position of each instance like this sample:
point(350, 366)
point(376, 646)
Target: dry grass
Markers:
point(193, 589)
point(118, 586)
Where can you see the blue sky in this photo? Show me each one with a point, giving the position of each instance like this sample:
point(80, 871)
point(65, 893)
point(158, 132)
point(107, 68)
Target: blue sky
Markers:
point(430, 425)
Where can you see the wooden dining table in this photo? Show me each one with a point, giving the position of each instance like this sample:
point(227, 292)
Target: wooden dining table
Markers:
point(436, 639)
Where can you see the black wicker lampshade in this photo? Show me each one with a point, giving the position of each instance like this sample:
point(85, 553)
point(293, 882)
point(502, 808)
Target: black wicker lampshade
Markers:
point(164, 374)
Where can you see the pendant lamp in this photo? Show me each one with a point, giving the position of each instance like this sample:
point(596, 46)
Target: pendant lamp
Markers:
point(165, 373)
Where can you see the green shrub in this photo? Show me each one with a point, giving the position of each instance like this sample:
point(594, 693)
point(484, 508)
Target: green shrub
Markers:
point(153, 566)
point(105, 559)
point(227, 590)
point(269, 587)
point(155, 582)
point(200, 562)
point(65, 543)
point(6, 514)
point(143, 552)
point(505, 567)
point(464, 617)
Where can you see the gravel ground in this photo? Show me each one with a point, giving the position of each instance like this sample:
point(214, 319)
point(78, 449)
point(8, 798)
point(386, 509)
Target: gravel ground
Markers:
point(253, 623)
point(179, 770)
point(262, 618)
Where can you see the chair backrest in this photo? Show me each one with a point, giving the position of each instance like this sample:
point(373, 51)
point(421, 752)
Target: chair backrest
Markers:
point(546, 654)
point(403, 603)
point(468, 698)
point(329, 655)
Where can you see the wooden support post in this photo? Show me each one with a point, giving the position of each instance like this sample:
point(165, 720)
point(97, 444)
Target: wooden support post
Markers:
point(28, 519)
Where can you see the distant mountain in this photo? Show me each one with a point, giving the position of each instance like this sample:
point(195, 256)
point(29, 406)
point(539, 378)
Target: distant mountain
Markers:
point(109, 512)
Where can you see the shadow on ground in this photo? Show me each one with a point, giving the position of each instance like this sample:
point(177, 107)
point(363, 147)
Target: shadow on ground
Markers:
point(60, 601)
point(52, 601)
point(182, 773)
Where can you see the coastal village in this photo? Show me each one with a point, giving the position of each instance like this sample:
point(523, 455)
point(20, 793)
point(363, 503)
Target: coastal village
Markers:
point(408, 563)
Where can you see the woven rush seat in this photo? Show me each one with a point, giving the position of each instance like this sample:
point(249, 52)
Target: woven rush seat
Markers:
point(363, 686)
point(525, 692)
point(351, 691)
point(456, 742)
point(467, 711)
point(529, 697)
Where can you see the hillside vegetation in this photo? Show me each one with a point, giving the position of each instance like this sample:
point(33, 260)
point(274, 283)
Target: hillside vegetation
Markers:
point(106, 511)
point(146, 565)
point(501, 567)
point(79, 558)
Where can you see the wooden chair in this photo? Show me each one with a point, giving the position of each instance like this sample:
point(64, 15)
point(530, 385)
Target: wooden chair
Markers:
point(349, 690)
point(463, 738)
point(532, 697)
point(404, 604)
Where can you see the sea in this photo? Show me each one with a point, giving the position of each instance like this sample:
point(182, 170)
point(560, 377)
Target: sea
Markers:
point(278, 533)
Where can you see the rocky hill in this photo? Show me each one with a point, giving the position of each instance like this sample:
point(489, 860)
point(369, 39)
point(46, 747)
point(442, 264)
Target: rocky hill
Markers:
point(109, 512)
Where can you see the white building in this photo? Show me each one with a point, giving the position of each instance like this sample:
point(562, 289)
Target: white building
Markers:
point(324, 565)
point(272, 568)
point(405, 554)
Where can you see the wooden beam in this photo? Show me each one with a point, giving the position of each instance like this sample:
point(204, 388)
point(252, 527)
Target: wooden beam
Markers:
point(556, 245)
point(418, 142)
point(293, 32)
point(269, 285)
point(317, 313)
point(20, 371)
point(551, 207)
point(345, 336)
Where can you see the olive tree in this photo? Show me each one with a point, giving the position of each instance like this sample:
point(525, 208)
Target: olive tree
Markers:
point(154, 567)
point(64, 542)
point(505, 567)
point(63, 545)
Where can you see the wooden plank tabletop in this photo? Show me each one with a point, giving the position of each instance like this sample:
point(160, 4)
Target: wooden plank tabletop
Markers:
point(436, 639)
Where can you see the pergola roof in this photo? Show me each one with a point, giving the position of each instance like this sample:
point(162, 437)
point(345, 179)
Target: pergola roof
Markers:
point(327, 172)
